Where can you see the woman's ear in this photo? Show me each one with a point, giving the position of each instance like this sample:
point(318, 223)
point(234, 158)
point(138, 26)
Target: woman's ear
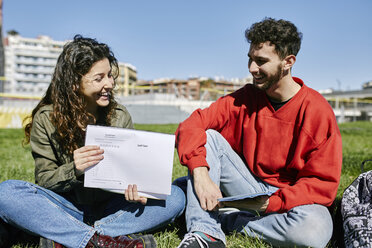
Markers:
point(75, 87)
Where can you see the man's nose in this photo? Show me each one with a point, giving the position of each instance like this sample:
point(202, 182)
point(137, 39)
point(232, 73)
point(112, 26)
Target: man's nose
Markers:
point(253, 67)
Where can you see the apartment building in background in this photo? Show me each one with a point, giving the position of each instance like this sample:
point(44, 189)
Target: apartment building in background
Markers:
point(195, 88)
point(29, 64)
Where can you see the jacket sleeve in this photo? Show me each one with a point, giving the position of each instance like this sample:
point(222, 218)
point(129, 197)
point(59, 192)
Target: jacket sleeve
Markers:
point(50, 172)
point(123, 118)
point(317, 182)
point(191, 136)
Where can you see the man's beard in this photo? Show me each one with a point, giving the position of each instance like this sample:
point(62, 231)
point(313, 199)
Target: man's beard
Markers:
point(270, 81)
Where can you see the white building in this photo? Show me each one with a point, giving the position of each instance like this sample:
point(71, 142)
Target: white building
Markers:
point(29, 64)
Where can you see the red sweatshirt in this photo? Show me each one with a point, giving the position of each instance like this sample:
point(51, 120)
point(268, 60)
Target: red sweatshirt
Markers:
point(296, 148)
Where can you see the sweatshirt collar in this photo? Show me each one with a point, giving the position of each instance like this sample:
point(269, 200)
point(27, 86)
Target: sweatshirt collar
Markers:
point(294, 100)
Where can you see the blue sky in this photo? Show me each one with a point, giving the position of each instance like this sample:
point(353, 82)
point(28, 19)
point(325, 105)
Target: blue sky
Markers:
point(179, 39)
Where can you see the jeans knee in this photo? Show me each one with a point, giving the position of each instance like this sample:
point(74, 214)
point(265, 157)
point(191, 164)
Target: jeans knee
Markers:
point(314, 230)
point(177, 200)
point(215, 141)
point(181, 182)
point(211, 134)
point(9, 187)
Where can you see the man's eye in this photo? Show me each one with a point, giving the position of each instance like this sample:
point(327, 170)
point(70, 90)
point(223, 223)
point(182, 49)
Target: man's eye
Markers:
point(99, 79)
point(260, 62)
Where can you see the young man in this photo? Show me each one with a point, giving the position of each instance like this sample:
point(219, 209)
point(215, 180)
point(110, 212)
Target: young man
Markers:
point(276, 136)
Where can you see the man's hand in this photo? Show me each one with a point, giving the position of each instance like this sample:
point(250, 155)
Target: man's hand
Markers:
point(259, 203)
point(206, 190)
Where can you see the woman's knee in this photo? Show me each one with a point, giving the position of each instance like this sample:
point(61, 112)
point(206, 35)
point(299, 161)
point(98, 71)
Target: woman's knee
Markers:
point(10, 187)
point(176, 201)
point(181, 182)
point(9, 191)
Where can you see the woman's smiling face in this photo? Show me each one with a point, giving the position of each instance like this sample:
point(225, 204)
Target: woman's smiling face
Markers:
point(96, 85)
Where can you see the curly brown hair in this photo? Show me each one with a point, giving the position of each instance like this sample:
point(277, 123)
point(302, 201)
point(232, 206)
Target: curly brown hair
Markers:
point(283, 34)
point(69, 115)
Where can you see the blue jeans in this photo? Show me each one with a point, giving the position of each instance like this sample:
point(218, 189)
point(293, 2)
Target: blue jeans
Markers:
point(307, 225)
point(42, 212)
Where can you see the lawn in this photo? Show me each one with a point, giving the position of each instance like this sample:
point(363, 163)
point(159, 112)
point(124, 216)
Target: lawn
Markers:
point(17, 163)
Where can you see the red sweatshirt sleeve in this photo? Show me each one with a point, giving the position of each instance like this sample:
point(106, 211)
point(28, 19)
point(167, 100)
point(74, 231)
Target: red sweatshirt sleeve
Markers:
point(191, 136)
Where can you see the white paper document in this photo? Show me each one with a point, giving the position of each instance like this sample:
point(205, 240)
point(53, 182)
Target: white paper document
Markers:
point(131, 157)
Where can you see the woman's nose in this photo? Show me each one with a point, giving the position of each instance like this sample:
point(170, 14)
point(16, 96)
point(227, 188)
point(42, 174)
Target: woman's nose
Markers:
point(109, 83)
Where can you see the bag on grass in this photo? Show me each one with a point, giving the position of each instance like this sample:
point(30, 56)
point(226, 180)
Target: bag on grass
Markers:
point(356, 211)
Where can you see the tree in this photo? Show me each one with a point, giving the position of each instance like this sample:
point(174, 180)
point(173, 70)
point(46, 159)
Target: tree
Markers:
point(12, 32)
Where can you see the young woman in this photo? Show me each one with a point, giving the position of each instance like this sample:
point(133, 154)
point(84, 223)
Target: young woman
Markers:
point(59, 208)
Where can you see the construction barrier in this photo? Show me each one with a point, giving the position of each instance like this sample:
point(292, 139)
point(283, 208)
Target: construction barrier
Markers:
point(12, 117)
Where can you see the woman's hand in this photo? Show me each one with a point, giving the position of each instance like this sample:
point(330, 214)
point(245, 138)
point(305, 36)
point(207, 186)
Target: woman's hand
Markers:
point(85, 157)
point(131, 195)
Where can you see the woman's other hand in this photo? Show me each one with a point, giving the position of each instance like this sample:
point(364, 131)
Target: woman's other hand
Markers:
point(131, 195)
point(85, 157)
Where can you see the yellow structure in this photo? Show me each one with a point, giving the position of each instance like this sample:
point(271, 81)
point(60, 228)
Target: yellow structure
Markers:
point(12, 117)
point(127, 79)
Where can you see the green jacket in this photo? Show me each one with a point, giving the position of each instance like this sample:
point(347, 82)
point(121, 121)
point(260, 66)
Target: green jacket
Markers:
point(54, 169)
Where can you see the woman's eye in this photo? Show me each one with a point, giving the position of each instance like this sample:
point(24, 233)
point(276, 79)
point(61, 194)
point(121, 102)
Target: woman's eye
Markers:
point(98, 79)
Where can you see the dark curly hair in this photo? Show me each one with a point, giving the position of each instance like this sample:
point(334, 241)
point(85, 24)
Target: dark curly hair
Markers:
point(69, 115)
point(283, 34)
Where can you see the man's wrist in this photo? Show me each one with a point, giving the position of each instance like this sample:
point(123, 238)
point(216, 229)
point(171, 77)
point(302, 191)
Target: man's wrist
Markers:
point(199, 172)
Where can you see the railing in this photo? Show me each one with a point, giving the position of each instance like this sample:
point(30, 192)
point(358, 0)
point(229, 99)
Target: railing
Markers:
point(14, 108)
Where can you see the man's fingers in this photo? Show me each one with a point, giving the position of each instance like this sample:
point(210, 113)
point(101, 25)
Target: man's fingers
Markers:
point(203, 203)
point(211, 204)
point(208, 204)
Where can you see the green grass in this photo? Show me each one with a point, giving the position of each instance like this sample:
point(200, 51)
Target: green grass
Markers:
point(17, 163)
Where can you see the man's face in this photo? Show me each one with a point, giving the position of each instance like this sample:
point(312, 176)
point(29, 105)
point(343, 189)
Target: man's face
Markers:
point(265, 65)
